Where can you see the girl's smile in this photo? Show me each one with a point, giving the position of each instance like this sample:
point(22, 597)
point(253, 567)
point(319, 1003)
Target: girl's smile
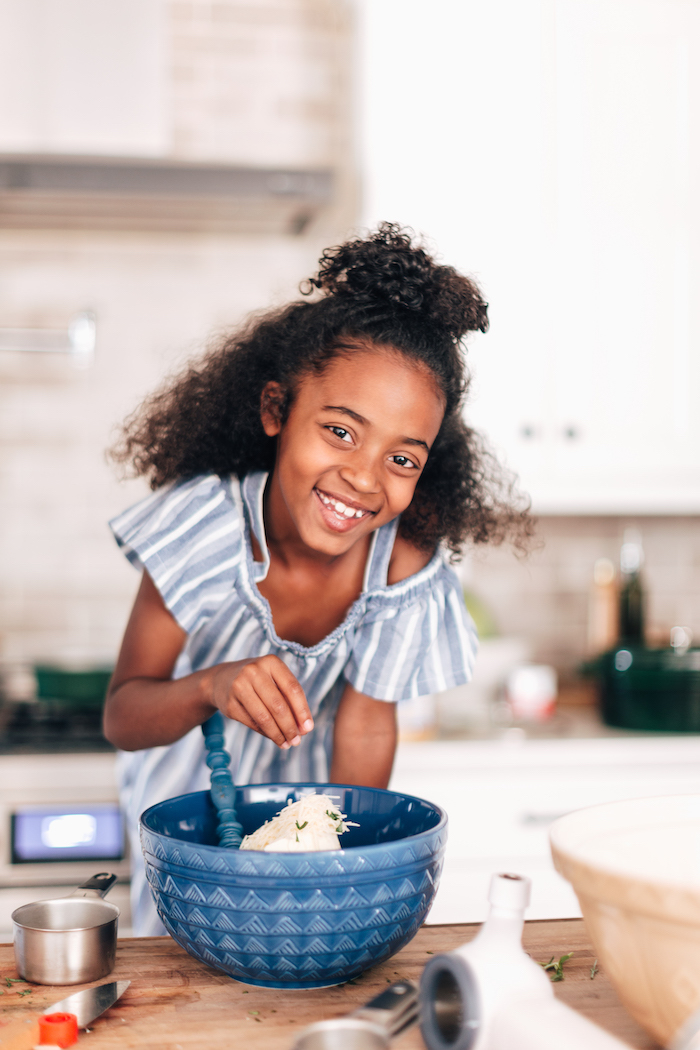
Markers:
point(351, 451)
point(341, 515)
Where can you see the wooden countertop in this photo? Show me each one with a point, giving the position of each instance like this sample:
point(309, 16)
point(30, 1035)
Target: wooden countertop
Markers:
point(176, 1003)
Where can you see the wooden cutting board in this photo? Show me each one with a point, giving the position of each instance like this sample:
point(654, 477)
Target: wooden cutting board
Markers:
point(176, 1003)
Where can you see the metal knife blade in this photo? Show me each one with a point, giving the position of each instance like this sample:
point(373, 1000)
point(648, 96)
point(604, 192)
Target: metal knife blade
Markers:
point(90, 1003)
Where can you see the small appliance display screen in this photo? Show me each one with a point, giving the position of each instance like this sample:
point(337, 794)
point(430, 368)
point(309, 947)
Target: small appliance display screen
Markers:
point(56, 833)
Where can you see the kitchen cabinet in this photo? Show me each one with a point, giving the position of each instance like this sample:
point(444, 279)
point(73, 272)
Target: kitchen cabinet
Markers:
point(550, 147)
point(502, 795)
point(252, 85)
point(146, 115)
point(84, 77)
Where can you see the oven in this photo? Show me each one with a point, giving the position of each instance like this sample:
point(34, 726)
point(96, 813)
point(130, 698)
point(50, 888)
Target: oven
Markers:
point(59, 814)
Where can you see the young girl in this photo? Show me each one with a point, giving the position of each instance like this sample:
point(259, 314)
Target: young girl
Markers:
point(310, 476)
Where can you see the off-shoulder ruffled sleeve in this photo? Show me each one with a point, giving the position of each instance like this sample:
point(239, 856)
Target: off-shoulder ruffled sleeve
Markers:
point(414, 640)
point(188, 538)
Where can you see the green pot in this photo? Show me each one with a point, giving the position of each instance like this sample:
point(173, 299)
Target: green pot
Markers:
point(652, 689)
point(76, 688)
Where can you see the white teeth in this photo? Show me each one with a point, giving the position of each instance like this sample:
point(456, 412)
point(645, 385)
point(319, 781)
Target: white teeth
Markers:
point(340, 508)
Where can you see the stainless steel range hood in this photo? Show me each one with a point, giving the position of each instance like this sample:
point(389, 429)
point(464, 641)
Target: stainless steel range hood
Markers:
point(105, 193)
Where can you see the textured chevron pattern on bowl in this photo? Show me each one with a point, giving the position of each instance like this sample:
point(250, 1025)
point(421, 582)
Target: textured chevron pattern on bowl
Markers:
point(295, 920)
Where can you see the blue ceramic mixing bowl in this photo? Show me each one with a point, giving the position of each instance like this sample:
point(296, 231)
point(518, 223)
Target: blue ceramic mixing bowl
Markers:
point(295, 920)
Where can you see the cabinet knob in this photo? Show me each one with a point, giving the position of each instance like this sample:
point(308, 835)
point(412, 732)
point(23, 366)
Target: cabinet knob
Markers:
point(528, 431)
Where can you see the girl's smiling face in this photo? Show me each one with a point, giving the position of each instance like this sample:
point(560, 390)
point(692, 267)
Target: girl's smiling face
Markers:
point(352, 448)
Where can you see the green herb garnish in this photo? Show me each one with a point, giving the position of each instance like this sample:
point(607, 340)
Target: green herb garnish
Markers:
point(594, 969)
point(333, 816)
point(300, 826)
point(556, 970)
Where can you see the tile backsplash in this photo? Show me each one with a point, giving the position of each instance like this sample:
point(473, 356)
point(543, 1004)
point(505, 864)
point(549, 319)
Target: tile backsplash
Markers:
point(544, 597)
point(158, 300)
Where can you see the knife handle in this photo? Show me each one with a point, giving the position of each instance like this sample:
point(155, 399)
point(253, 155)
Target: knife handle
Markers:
point(58, 1029)
point(20, 1035)
point(48, 1029)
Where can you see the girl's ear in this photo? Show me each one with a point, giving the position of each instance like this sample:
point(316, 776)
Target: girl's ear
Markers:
point(271, 402)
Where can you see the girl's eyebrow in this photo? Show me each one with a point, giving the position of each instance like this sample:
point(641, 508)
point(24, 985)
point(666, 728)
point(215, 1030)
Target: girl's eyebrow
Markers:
point(348, 412)
point(361, 419)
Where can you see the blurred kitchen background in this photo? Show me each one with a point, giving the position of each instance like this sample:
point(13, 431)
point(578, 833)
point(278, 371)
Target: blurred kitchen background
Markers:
point(169, 166)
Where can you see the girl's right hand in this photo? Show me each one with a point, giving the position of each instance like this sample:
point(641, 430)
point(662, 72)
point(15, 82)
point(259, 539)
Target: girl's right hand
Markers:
point(147, 707)
point(263, 694)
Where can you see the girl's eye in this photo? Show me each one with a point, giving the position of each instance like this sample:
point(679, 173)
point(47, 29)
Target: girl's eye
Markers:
point(341, 433)
point(404, 461)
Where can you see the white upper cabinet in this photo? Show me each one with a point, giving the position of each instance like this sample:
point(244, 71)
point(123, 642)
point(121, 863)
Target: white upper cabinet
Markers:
point(552, 150)
point(83, 76)
point(258, 84)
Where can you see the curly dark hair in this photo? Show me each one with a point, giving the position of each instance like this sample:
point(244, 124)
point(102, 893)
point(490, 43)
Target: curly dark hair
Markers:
point(384, 291)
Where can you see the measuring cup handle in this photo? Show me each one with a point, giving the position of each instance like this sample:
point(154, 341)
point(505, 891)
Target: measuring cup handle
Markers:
point(96, 886)
point(393, 1009)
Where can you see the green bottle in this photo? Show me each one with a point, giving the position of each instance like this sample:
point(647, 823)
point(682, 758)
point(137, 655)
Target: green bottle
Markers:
point(631, 590)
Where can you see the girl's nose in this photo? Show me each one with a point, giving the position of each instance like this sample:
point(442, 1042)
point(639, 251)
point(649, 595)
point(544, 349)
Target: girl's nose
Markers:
point(362, 477)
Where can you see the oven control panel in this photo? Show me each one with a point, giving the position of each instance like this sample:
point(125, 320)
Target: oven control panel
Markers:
point(73, 832)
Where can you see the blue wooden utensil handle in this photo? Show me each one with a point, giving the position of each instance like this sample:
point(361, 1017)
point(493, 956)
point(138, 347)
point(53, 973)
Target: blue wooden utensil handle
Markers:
point(229, 831)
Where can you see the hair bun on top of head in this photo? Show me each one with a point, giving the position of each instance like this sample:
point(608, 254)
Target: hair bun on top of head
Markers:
point(387, 268)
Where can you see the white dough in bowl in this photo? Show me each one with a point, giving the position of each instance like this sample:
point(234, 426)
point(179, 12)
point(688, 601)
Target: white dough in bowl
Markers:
point(313, 823)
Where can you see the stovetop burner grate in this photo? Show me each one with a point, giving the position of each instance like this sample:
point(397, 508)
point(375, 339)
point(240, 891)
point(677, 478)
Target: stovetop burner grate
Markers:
point(50, 727)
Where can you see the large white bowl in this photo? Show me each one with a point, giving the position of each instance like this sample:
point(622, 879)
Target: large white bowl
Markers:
point(635, 867)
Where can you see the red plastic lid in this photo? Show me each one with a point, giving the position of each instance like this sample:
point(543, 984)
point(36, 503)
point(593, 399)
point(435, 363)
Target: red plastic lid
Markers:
point(58, 1030)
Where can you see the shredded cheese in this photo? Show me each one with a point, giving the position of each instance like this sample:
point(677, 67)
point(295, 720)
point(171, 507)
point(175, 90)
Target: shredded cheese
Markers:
point(312, 823)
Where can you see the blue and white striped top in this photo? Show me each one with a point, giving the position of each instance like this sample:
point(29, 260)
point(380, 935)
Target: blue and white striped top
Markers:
point(396, 642)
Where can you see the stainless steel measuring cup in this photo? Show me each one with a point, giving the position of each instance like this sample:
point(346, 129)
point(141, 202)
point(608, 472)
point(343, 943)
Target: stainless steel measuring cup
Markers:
point(369, 1028)
point(68, 940)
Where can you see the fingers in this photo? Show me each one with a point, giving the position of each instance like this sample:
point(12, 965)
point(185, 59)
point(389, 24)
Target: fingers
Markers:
point(266, 706)
point(293, 693)
point(237, 713)
point(265, 696)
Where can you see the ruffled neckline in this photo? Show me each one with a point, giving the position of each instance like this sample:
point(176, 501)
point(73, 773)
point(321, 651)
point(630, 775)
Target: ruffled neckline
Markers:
point(248, 495)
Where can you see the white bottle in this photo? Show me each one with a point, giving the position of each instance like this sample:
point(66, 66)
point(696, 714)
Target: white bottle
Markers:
point(490, 995)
